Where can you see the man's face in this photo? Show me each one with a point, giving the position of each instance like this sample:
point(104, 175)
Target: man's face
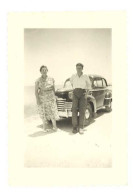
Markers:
point(79, 69)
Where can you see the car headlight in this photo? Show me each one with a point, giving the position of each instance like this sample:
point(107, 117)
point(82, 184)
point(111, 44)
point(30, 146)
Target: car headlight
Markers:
point(70, 94)
point(108, 95)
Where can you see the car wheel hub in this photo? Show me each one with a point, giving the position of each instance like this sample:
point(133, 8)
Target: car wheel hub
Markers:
point(87, 114)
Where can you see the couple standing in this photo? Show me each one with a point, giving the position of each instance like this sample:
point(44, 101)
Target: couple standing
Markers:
point(46, 100)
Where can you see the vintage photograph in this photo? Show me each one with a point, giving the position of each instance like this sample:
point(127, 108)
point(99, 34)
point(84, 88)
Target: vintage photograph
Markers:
point(68, 97)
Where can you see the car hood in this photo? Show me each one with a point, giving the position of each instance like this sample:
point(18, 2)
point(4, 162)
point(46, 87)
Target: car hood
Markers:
point(63, 93)
point(63, 90)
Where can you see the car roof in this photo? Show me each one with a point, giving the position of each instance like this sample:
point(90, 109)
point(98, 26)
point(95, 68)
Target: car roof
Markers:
point(95, 76)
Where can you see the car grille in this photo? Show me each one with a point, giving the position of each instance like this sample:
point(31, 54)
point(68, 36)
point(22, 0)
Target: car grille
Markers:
point(68, 105)
point(62, 105)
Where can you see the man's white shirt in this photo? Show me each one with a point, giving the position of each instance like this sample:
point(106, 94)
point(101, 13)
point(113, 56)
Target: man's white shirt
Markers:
point(82, 82)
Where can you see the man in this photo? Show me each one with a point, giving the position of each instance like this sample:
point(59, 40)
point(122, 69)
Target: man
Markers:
point(81, 85)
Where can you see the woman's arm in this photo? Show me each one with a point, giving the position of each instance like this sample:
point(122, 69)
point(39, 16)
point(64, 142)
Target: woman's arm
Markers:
point(54, 85)
point(36, 93)
point(54, 88)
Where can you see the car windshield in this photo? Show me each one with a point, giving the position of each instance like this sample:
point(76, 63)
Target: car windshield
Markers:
point(68, 85)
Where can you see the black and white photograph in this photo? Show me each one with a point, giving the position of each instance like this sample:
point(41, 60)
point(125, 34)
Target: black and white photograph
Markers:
point(68, 97)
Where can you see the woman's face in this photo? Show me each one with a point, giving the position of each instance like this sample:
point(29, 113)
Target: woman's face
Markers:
point(44, 71)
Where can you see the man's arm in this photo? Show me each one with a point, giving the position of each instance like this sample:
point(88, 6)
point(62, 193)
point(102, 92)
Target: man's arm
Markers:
point(88, 82)
point(69, 79)
point(66, 81)
point(88, 85)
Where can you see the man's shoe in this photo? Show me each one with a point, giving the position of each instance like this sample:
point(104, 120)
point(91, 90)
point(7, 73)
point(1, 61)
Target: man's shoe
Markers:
point(74, 130)
point(81, 131)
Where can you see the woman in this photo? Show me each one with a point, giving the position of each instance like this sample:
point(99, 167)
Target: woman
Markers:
point(46, 100)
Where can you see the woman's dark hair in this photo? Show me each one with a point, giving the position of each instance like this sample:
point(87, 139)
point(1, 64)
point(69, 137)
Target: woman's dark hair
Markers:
point(43, 67)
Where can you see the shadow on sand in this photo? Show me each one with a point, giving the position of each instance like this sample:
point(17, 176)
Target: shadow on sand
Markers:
point(98, 114)
point(42, 133)
point(64, 125)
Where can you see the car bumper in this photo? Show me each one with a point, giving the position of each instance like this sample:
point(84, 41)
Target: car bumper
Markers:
point(107, 101)
point(65, 114)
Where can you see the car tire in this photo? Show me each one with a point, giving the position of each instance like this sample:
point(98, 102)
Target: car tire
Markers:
point(88, 115)
point(108, 108)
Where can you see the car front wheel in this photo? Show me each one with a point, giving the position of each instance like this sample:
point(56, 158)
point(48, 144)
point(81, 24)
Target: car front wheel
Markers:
point(88, 115)
point(108, 108)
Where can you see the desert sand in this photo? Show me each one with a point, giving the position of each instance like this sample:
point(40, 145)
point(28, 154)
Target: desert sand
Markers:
point(65, 149)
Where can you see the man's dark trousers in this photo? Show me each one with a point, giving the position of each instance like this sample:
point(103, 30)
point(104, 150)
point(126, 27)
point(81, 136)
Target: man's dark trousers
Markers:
point(79, 103)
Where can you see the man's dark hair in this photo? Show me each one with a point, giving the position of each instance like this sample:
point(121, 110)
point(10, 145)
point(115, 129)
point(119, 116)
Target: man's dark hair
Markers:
point(79, 64)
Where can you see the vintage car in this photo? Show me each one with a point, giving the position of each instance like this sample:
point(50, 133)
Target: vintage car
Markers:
point(100, 96)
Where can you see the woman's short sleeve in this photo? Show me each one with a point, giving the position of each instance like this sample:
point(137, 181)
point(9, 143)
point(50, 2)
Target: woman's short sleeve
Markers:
point(36, 82)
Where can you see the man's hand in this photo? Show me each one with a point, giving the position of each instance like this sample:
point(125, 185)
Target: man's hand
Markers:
point(86, 94)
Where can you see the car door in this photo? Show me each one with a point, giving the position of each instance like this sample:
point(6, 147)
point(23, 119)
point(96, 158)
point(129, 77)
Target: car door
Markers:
point(98, 92)
point(104, 87)
point(95, 91)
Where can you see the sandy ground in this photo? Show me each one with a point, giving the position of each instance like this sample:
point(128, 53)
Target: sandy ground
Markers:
point(65, 149)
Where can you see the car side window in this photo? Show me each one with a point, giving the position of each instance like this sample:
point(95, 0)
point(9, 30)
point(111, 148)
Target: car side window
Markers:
point(94, 83)
point(99, 83)
point(104, 83)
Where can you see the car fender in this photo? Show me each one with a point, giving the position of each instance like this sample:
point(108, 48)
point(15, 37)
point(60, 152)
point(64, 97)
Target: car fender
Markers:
point(92, 99)
point(108, 97)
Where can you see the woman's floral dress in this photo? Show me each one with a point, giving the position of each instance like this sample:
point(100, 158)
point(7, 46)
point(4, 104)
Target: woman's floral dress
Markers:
point(48, 107)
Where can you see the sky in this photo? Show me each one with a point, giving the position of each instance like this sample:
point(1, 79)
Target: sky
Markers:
point(61, 49)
